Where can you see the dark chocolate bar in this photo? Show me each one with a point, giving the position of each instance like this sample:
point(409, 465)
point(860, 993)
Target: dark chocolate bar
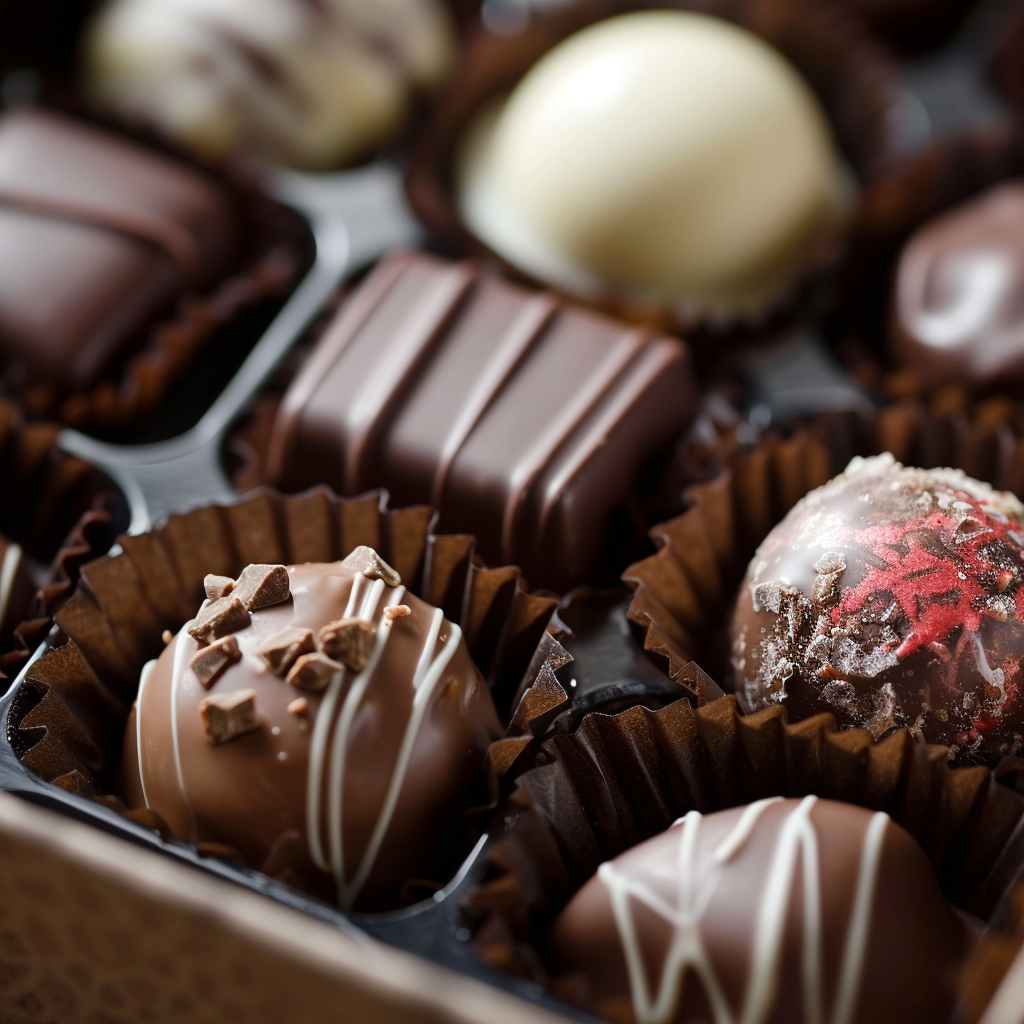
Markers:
point(523, 420)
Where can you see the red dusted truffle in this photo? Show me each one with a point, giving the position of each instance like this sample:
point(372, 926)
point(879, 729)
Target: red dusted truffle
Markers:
point(892, 597)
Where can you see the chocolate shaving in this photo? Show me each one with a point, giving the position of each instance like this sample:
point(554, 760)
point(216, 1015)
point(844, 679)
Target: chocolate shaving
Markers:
point(218, 619)
point(283, 649)
point(312, 671)
point(349, 641)
point(227, 715)
point(209, 662)
point(261, 586)
point(217, 587)
point(365, 560)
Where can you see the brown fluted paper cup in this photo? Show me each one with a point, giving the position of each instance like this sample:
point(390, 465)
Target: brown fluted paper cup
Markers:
point(67, 721)
point(62, 518)
point(621, 779)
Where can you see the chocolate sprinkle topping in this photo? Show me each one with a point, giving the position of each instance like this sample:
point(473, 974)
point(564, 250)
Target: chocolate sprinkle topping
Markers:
point(283, 649)
point(349, 641)
point(227, 715)
point(218, 619)
point(209, 662)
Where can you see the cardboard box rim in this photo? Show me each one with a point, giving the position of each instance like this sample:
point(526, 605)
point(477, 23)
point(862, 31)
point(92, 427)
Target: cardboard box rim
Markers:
point(396, 985)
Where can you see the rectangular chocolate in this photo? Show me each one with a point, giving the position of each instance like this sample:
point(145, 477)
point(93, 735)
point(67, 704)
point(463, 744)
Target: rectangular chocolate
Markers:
point(522, 419)
point(97, 237)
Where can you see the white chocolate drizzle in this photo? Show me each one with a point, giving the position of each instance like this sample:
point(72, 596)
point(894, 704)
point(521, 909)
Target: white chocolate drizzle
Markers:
point(796, 843)
point(12, 559)
point(181, 660)
point(430, 670)
point(144, 676)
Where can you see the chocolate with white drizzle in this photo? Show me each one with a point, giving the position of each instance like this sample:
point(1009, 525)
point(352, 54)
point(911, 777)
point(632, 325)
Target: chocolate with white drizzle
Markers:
point(780, 912)
point(351, 790)
point(892, 597)
point(307, 83)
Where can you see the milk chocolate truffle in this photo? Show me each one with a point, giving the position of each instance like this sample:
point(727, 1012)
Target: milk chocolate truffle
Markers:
point(958, 310)
point(97, 237)
point(892, 597)
point(526, 422)
point(309, 85)
point(781, 912)
point(323, 721)
point(667, 155)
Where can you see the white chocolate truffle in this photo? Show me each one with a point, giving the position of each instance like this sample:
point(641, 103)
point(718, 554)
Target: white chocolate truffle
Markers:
point(308, 85)
point(669, 156)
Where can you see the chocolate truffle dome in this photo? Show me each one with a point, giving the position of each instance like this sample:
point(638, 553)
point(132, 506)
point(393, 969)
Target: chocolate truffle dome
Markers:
point(958, 306)
point(332, 737)
point(667, 155)
point(781, 912)
point(889, 597)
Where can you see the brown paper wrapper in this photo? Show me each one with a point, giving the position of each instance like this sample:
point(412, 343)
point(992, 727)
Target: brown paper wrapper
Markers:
point(67, 721)
point(61, 513)
point(851, 77)
point(620, 779)
point(948, 172)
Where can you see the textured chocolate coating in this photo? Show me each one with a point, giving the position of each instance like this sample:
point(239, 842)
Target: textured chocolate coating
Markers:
point(524, 421)
point(782, 912)
point(958, 310)
point(319, 794)
point(892, 597)
point(97, 237)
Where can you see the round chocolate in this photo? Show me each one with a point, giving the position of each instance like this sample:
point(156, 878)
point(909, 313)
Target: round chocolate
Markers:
point(666, 155)
point(781, 912)
point(958, 307)
point(349, 790)
point(891, 597)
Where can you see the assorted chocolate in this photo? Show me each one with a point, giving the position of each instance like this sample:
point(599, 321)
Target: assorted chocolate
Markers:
point(99, 236)
point(308, 85)
point(666, 155)
point(781, 912)
point(958, 296)
point(321, 720)
point(326, 725)
point(890, 597)
point(524, 421)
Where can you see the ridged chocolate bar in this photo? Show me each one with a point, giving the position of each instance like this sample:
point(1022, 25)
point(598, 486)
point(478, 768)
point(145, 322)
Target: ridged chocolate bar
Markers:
point(522, 419)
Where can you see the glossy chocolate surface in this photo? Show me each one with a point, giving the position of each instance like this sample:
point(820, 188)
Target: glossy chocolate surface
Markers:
point(358, 793)
point(892, 597)
point(609, 670)
point(782, 912)
point(97, 237)
point(958, 310)
point(525, 421)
